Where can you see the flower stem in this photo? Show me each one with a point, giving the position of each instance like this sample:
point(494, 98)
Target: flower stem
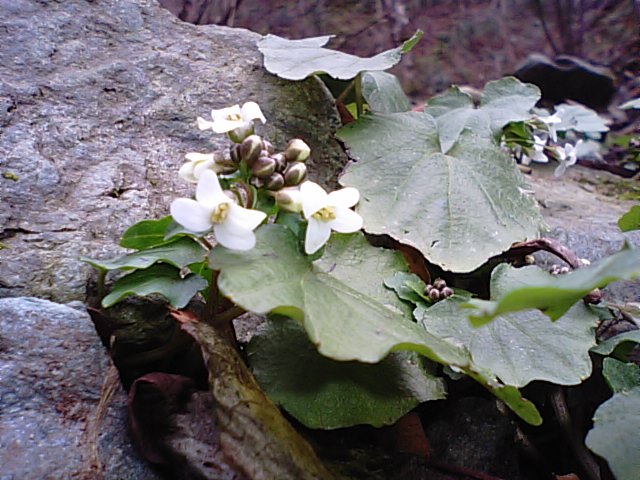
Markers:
point(359, 98)
point(212, 301)
point(101, 278)
point(346, 91)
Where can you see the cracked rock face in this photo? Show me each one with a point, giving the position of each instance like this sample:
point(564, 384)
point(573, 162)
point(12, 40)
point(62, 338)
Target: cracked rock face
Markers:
point(52, 425)
point(98, 102)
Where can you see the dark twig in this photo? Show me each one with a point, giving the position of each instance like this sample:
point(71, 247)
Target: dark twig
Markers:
point(548, 245)
point(586, 460)
point(521, 249)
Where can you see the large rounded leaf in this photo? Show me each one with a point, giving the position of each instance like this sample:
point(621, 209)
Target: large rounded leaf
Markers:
point(503, 101)
point(337, 302)
point(323, 393)
point(343, 315)
point(297, 59)
point(520, 347)
point(457, 209)
point(615, 434)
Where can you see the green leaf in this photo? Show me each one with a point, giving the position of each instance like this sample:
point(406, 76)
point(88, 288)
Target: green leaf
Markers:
point(580, 119)
point(615, 432)
point(519, 347)
point(630, 220)
point(146, 234)
point(323, 393)
point(343, 322)
point(383, 92)
point(409, 287)
point(457, 209)
point(339, 315)
point(619, 375)
point(161, 279)
point(503, 101)
point(297, 59)
point(179, 253)
point(608, 346)
point(554, 295)
point(347, 254)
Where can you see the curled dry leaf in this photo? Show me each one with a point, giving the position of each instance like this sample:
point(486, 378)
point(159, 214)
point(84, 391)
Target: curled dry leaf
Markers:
point(173, 428)
point(253, 433)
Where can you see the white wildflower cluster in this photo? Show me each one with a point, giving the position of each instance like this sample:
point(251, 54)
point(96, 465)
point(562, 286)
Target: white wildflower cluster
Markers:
point(544, 145)
point(282, 174)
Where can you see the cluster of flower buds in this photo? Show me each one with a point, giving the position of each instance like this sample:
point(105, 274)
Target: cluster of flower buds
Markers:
point(270, 169)
point(438, 290)
point(559, 270)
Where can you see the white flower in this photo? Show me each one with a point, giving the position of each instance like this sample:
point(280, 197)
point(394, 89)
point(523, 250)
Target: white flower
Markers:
point(289, 199)
point(235, 121)
point(198, 163)
point(538, 152)
point(326, 212)
point(232, 225)
point(568, 157)
point(550, 121)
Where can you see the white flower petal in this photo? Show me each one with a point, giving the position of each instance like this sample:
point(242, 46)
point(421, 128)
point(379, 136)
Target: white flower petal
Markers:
point(251, 111)
point(186, 172)
point(198, 157)
point(191, 214)
point(244, 217)
point(204, 124)
point(318, 234)
point(224, 126)
point(346, 221)
point(539, 156)
point(346, 197)
point(234, 239)
point(200, 167)
point(560, 169)
point(209, 192)
point(225, 113)
point(313, 198)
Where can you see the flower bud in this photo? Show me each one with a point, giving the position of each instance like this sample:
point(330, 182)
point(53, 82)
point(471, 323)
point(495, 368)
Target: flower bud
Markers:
point(250, 148)
point(225, 166)
point(263, 167)
point(234, 153)
point(243, 195)
point(434, 294)
point(295, 173)
point(446, 292)
point(268, 146)
point(281, 162)
point(274, 182)
point(240, 133)
point(289, 199)
point(257, 182)
point(297, 151)
point(439, 283)
point(427, 289)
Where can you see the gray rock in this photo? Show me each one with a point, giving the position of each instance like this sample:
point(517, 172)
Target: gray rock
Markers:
point(566, 77)
point(52, 370)
point(584, 219)
point(98, 102)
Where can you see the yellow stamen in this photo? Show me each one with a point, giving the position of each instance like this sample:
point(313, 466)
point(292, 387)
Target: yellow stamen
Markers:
point(220, 213)
point(234, 117)
point(325, 214)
